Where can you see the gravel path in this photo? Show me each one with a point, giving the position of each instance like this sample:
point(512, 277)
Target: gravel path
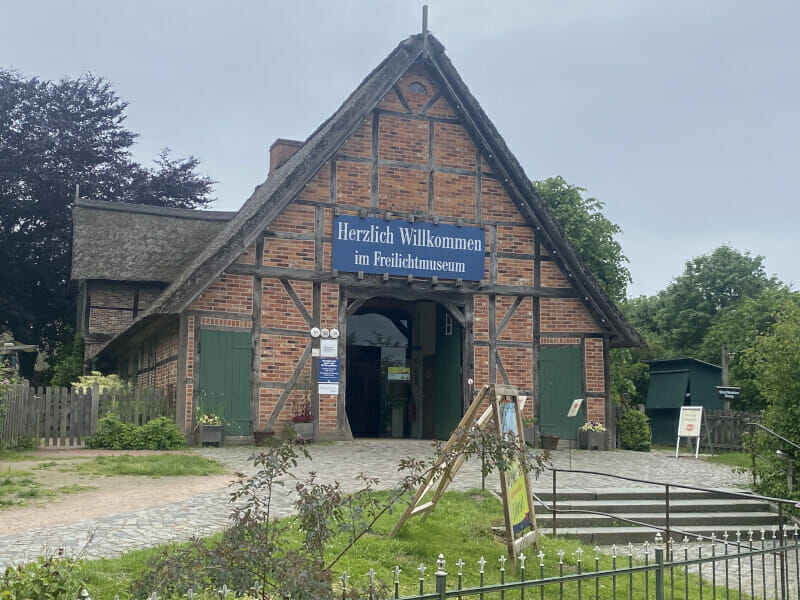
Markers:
point(206, 513)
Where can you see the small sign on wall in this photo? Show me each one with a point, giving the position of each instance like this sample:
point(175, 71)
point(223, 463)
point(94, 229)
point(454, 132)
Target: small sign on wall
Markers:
point(329, 348)
point(328, 376)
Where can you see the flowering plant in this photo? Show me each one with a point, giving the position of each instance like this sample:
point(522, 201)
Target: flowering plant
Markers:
point(304, 415)
point(209, 420)
point(593, 426)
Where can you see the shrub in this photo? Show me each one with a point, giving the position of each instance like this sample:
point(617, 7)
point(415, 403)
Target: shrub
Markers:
point(107, 383)
point(158, 434)
point(48, 577)
point(634, 431)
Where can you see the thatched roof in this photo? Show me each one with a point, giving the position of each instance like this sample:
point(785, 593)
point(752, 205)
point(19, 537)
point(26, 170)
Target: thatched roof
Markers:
point(134, 242)
point(270, 198)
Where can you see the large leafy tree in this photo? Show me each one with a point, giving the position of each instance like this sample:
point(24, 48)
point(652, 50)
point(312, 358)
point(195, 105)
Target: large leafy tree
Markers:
point(684, 312)
point(774, 361)
point(590, 231)
point(54, 136)
point(739, 328)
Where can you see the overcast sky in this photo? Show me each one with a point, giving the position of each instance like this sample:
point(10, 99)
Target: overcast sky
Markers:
point(682, 116)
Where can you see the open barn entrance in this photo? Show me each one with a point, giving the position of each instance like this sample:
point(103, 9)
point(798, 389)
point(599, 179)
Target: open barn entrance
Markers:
point(403, 370)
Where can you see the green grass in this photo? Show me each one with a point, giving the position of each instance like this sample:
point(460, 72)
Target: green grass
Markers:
point(741, 460)
point(459, 528)
point(152, 465)
point(17, 486)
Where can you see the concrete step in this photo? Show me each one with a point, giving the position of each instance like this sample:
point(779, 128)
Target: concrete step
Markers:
point(633, 493)
point(740, 520)
point(696, 512)
point(658, 506)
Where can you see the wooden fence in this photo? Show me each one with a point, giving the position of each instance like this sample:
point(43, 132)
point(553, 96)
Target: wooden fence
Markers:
point(59, 417)
point(727, 428)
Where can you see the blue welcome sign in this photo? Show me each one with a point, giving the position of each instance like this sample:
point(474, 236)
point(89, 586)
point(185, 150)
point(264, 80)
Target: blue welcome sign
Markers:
point(403, 248)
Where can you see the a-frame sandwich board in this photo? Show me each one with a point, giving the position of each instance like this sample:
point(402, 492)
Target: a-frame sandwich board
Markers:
point(515, 482)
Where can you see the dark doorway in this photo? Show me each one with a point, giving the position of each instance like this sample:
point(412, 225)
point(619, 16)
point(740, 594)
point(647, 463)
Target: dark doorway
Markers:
point(403, 370)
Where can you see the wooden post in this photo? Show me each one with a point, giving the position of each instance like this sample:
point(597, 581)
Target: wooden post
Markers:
point(95, 410)
point(726, 403)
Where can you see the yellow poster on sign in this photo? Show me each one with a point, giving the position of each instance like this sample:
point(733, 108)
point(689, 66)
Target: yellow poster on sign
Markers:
point(518, 500)
point(517, 496)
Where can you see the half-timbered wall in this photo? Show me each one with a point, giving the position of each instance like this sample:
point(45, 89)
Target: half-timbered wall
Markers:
point(410, 158)
point(108, 307)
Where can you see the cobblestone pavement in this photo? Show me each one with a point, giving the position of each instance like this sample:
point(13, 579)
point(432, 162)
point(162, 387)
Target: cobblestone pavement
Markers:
point(207, 513)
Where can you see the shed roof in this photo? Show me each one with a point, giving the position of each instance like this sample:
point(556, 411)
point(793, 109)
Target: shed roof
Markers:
point(283, 184)
point(134, 242)
point(665, 364)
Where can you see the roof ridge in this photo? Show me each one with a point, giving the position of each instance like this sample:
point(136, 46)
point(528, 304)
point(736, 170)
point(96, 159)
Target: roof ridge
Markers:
point(150, 209)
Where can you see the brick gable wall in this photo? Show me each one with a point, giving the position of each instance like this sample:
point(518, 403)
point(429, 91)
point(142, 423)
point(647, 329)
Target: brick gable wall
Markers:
point(425, 166)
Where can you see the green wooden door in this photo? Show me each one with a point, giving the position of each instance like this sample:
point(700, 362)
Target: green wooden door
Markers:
point(447, 375)
point(225, 363)
point(559, 385)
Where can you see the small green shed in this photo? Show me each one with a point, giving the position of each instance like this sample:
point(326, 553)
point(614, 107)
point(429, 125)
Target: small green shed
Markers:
point(676, 382)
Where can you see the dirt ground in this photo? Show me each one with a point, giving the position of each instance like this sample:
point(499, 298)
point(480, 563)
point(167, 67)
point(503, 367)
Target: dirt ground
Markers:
point(107, 496)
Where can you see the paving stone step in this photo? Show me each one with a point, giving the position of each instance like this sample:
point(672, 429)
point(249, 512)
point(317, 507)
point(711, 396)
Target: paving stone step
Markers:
point(719, 519)
point(694, 511)
point(633, 493)
point(658, 506)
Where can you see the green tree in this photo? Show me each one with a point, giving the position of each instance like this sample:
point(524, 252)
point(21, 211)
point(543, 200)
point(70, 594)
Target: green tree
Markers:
point(739, 327)
point(68, 363)
point(774, 359)
point(54, 135)
point(709, 283)
point(590, 231)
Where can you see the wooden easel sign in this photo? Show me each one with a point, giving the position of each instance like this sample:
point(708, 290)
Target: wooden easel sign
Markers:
point(689, 426)
point(504, 413)
point(515, 486)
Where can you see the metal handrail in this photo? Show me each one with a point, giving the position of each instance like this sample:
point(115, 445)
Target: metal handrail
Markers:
point(667, 529)
point(776, 435)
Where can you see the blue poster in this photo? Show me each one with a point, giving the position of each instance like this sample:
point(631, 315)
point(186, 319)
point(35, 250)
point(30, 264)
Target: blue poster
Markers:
point(400, 247)
point(328, 370)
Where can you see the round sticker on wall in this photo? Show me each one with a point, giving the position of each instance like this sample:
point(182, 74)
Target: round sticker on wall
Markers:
point(315, 332)
point(324, 332)
point(334, 333)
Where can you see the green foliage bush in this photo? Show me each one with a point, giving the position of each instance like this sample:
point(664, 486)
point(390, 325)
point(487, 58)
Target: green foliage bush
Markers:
point(634, 431)
point(158, 434)
point(48, 577)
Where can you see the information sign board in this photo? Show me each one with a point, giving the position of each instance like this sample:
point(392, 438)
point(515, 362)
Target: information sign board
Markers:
point(399, 374)
point(328, 370)
point(728, 393)
point(329, 348)
point(689, 426)
point(399, 247)
point(575, 407)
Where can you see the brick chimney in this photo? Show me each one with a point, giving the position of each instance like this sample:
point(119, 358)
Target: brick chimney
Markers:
point(280, 151)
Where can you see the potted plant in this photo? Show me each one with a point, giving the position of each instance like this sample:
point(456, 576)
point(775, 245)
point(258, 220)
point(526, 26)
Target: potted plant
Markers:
point(303, 421)
point(592, 436)
point(261, 437)
point(549, 441)
point(210, 429)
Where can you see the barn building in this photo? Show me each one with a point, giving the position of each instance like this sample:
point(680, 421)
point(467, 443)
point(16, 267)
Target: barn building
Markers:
point(404, 225)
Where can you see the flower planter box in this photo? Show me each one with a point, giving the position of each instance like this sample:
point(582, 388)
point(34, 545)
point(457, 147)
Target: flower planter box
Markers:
point(261, 437)
point(549, 441)
point(592, 440)
point(212, 434)
point(305, 431)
